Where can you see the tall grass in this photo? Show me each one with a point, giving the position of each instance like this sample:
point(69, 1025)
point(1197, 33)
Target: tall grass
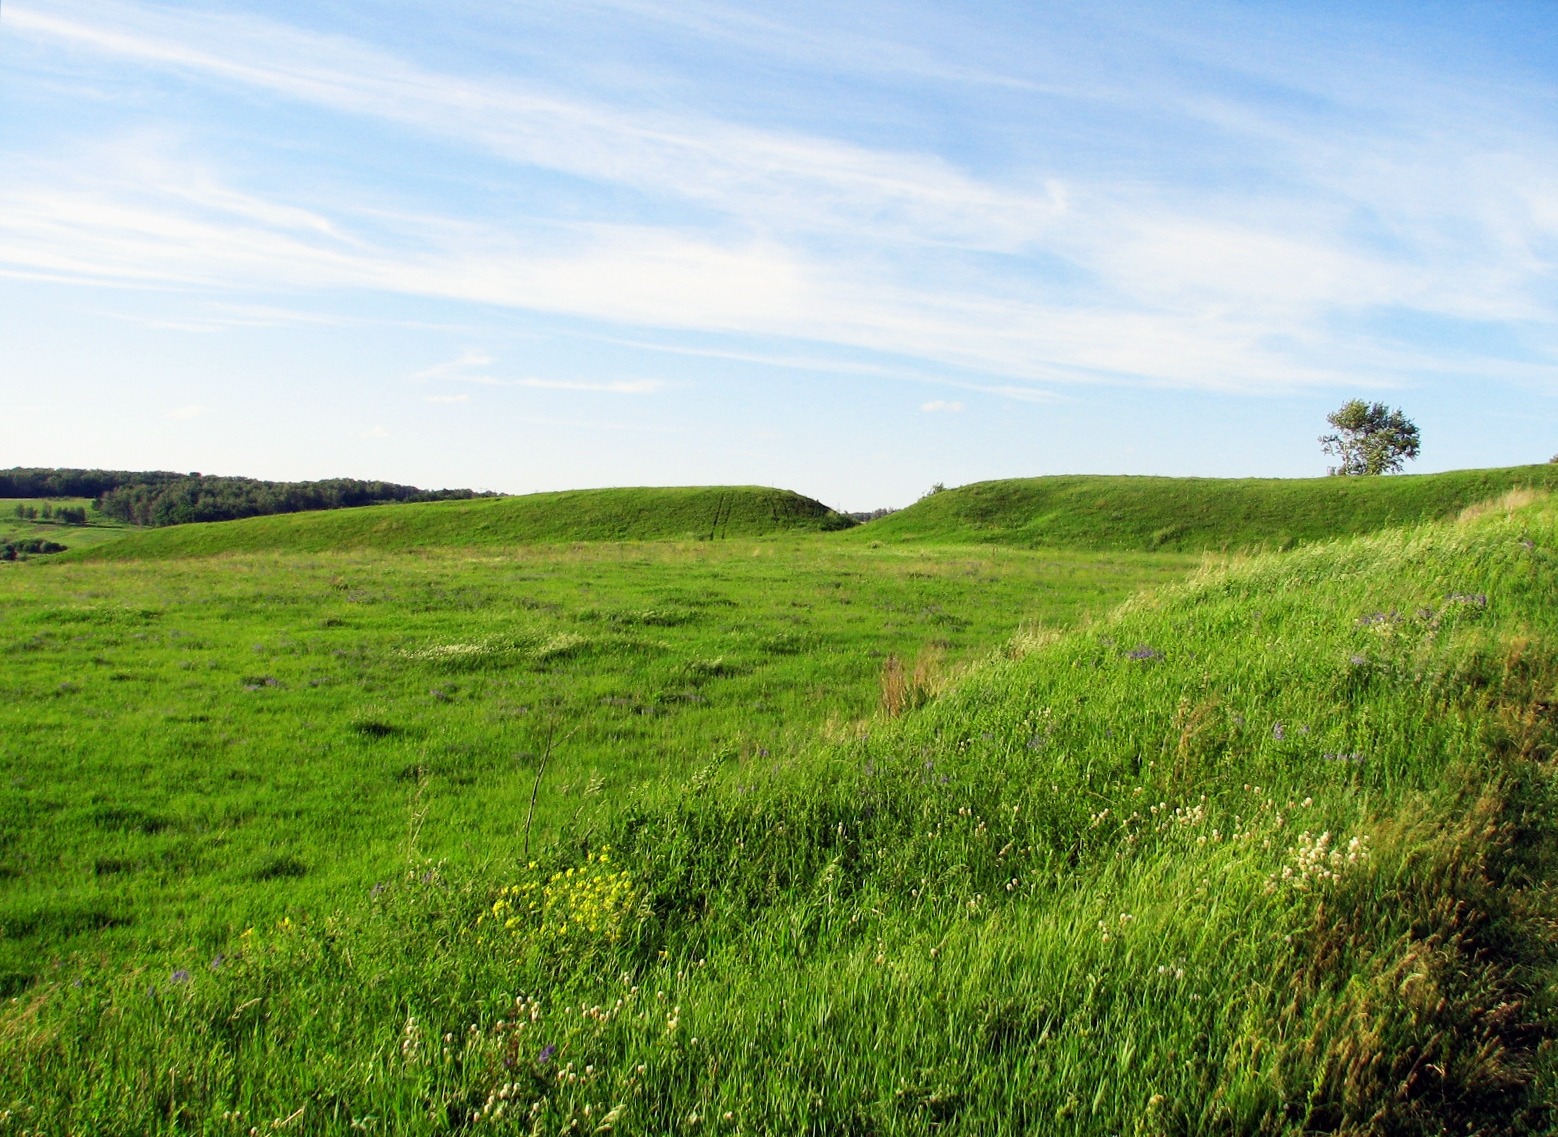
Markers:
point(1268, 852)
point(193, 746)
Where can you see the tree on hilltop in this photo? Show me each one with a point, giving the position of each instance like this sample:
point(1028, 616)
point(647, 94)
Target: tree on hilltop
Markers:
point(1370, 438)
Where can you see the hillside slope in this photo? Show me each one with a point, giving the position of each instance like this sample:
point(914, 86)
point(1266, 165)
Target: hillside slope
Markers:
point(1267, 852)
point(699, 512)
point(1189, 514)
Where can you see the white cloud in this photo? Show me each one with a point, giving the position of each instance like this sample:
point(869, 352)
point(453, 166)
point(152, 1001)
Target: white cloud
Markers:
point(183, 414)
point(940, 405)
point(375, 432)
point(459, 369)
point(809, 239)
point(615, 387)
point(477, 366)
point(792, 178)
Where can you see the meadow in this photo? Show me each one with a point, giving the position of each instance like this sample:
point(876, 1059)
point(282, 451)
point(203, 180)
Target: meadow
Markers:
point(197, 744)
point(99, 530)
point(959, 839)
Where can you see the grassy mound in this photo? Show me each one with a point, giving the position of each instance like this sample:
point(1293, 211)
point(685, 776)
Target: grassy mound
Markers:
point(1190, 514)
point(701, 512)
point(1268, 852)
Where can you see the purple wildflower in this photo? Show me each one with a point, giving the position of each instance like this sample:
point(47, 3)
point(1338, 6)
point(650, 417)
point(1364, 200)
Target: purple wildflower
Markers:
point(1144, 653)
point(546, 1054)
point(1277, 732)
point(181, 976)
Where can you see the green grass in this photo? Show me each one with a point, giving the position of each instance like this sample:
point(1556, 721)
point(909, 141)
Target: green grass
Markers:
point(1267, 851)
point(194, 745)
point(697, 513)
point(1189, 514)
point(99, 529)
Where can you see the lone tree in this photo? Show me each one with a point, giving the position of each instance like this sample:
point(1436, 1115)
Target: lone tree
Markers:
point(1370, 438)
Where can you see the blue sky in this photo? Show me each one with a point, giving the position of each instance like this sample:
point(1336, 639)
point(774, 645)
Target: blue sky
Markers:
point(846, 249)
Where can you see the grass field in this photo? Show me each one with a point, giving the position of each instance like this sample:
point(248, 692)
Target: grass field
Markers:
point(1267, 851)
point(99, 530)
point(193, 745)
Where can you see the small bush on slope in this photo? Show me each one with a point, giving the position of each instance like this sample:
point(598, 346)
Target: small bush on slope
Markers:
point(1266, 853)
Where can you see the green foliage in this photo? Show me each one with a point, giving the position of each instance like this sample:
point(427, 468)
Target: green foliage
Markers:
point(158, 497)
point(11, 550)
point(197, 498)
point(1188, 514)
point(1370, 438)
point(44, 482)
point(65, 514)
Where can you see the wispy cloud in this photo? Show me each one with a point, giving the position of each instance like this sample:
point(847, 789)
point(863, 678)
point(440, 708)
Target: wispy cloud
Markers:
point(446, 398)
point(615, 387)
point(795, 179)
point(478, 366)
point(936, 406)
point(184, 414)
point(1050, 272)
point(469, 367)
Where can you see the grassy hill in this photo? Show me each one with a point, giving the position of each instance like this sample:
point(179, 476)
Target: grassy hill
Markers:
point(1270, 851)
point(699, 512)
point(1189, 514)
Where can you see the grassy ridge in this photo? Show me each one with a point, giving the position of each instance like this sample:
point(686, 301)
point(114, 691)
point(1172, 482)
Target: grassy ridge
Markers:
point(1076, 512)
point(1267, 852)
point(699, 512)
point(1190, 514)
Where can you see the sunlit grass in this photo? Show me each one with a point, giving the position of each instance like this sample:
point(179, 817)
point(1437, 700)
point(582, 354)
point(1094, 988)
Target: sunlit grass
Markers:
point(1264, 852)
point(191, 745)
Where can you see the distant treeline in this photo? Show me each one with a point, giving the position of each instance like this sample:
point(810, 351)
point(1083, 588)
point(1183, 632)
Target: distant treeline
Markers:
point(870, 515)
point(158, 497)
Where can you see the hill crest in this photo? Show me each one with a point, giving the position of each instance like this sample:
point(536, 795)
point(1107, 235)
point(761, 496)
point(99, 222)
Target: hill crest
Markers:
point(1140, 512)
point(632, 514)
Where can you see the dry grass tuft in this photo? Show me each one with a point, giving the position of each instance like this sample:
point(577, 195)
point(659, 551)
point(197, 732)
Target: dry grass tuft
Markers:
point(1507, 503)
